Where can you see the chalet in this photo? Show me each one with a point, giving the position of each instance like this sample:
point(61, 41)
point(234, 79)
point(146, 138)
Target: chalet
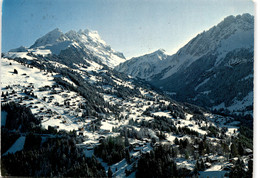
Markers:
point(53, 92)
point(64, 95)
point(81, 129)
point(101, 137)
point(216, 159)
point(81, 133)
point(45, 88)
point(104, 131)
point(207, 165)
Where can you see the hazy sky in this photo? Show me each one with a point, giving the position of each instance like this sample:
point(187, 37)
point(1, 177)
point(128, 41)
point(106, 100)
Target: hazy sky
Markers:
point(133, 27)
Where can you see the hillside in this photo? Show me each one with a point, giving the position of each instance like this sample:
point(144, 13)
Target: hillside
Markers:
point(213, 70)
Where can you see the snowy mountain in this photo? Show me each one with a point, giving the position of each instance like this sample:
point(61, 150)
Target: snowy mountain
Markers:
point(50, 38)
point(20, 49)
point(144, 66)
point(82, 43)
point(215, 68)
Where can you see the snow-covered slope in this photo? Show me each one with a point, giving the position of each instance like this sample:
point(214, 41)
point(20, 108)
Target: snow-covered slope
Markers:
point(208, 70)
point(90, 41)
point(230, 34)
point(83, 42)
point(144, 66)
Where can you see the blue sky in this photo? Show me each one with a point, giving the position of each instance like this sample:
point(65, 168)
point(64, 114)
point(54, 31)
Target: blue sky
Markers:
point(133, 27)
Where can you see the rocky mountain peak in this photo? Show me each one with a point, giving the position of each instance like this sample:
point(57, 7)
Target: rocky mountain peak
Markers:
point(49, 38)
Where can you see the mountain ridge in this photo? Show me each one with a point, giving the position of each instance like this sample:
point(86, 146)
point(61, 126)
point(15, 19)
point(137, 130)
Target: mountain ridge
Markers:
point(229, 43)
point(144, 67)
point(85, 41)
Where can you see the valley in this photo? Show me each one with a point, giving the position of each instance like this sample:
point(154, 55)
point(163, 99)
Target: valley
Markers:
point(69, 111)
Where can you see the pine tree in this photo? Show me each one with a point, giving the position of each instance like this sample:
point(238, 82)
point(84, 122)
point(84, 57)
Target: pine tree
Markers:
point(126, 141)
point(197, 167)
point(234, 151)
point(250, 168)
point(126, 172)
point(238, 170)
point(15, 71)
point(176, 141)
point(240, 149)
point(127, 156)
point(201, 148)
point(202, 165)
point(109, 172)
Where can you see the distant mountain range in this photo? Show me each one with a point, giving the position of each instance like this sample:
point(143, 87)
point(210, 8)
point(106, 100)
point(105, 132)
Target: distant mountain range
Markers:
point(81, 44)
point(214, 69)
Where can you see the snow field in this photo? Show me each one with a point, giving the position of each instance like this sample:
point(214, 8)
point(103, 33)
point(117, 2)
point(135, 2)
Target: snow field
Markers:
point(54, 113)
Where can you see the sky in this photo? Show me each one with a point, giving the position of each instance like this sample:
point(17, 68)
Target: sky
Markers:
point(134, 27)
